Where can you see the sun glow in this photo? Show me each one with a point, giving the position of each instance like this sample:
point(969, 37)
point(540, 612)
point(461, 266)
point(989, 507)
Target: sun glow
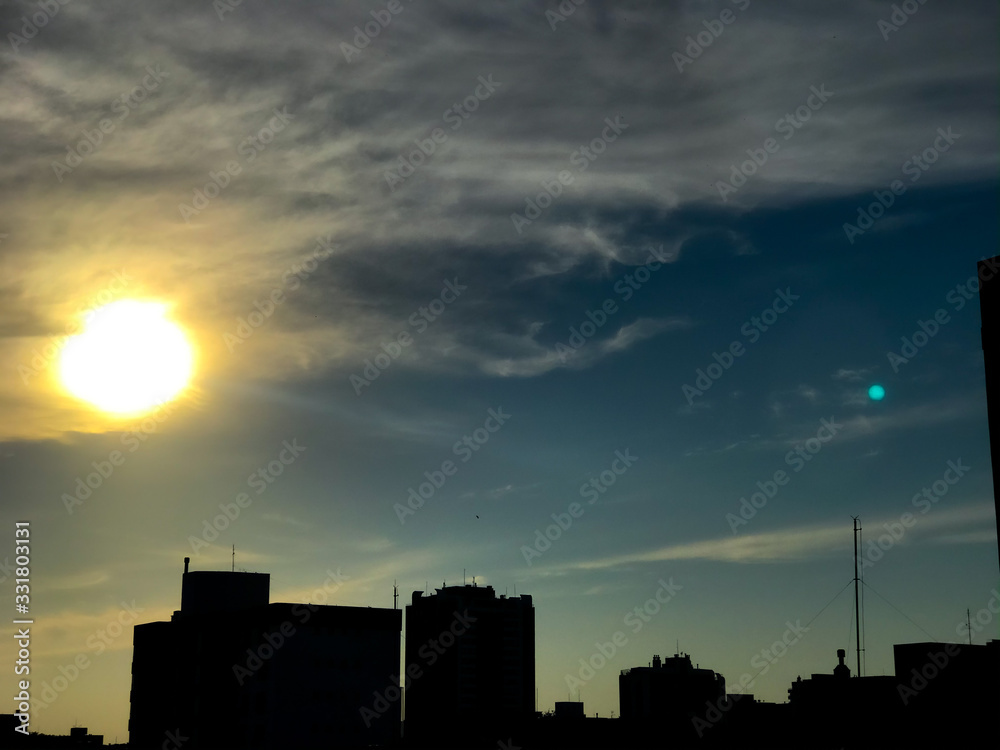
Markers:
point(128, 359)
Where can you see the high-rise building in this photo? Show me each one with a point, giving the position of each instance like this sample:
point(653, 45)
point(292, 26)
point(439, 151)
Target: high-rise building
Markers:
point(989, 307)
point(231, 670)
point(470, 665)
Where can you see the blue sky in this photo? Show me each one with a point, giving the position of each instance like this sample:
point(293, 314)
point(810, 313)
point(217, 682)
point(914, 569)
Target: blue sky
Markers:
point(308, 210)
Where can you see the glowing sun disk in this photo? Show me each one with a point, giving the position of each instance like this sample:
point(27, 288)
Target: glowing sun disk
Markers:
point(128, 359)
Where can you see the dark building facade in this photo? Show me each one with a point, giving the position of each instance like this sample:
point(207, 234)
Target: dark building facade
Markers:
point(77, 737)
point(850, 710)
point(948, 690)
point(470, 666)
point(989, 307)
point(231, 670)
point(672, 687)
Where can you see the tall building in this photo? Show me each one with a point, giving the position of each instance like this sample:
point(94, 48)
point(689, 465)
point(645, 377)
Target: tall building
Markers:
point(470, 666)
point(668, 688)
point(231, 670)
point(989, 307)
point(949, 690)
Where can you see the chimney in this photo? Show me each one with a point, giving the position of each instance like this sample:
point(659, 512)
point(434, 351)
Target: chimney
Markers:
point(841, 670)
point(187, 560)
point(656, 661)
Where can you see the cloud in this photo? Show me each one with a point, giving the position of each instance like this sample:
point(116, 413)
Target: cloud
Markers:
point(851, 375)
point(589, 353)
point(804, 542)
point(324, 171)
point(921, 416)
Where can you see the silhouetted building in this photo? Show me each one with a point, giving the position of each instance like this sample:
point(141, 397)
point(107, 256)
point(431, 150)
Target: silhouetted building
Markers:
point(848, 708)
point(669, 690)
point(569, 727)
point(230, 670)
point(948, 690)
point(664, 701)
point(77, 737)
point(569, 710)
point(989, 307)
point(470, 661)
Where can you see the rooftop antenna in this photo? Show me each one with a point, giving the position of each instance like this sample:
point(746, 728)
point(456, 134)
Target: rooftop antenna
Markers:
point(864, 644)
point(857, 612)
point(968, 623)
point(463, 576)
point(395, 595)
point(234, 558)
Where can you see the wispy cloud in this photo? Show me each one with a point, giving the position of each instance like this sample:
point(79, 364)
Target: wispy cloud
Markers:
point(805, 542)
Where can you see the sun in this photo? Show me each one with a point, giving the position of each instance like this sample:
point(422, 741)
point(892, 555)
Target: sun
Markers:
point(129, 358)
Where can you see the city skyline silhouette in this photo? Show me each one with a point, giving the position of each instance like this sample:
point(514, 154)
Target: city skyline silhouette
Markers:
point(624, 312)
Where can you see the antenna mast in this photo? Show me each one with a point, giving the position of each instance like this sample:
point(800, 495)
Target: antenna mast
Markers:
point(234, 558)
point(857, 611)
point(395, 595)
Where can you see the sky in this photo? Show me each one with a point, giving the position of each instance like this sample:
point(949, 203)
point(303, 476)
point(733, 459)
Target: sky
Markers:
point(592, 274)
